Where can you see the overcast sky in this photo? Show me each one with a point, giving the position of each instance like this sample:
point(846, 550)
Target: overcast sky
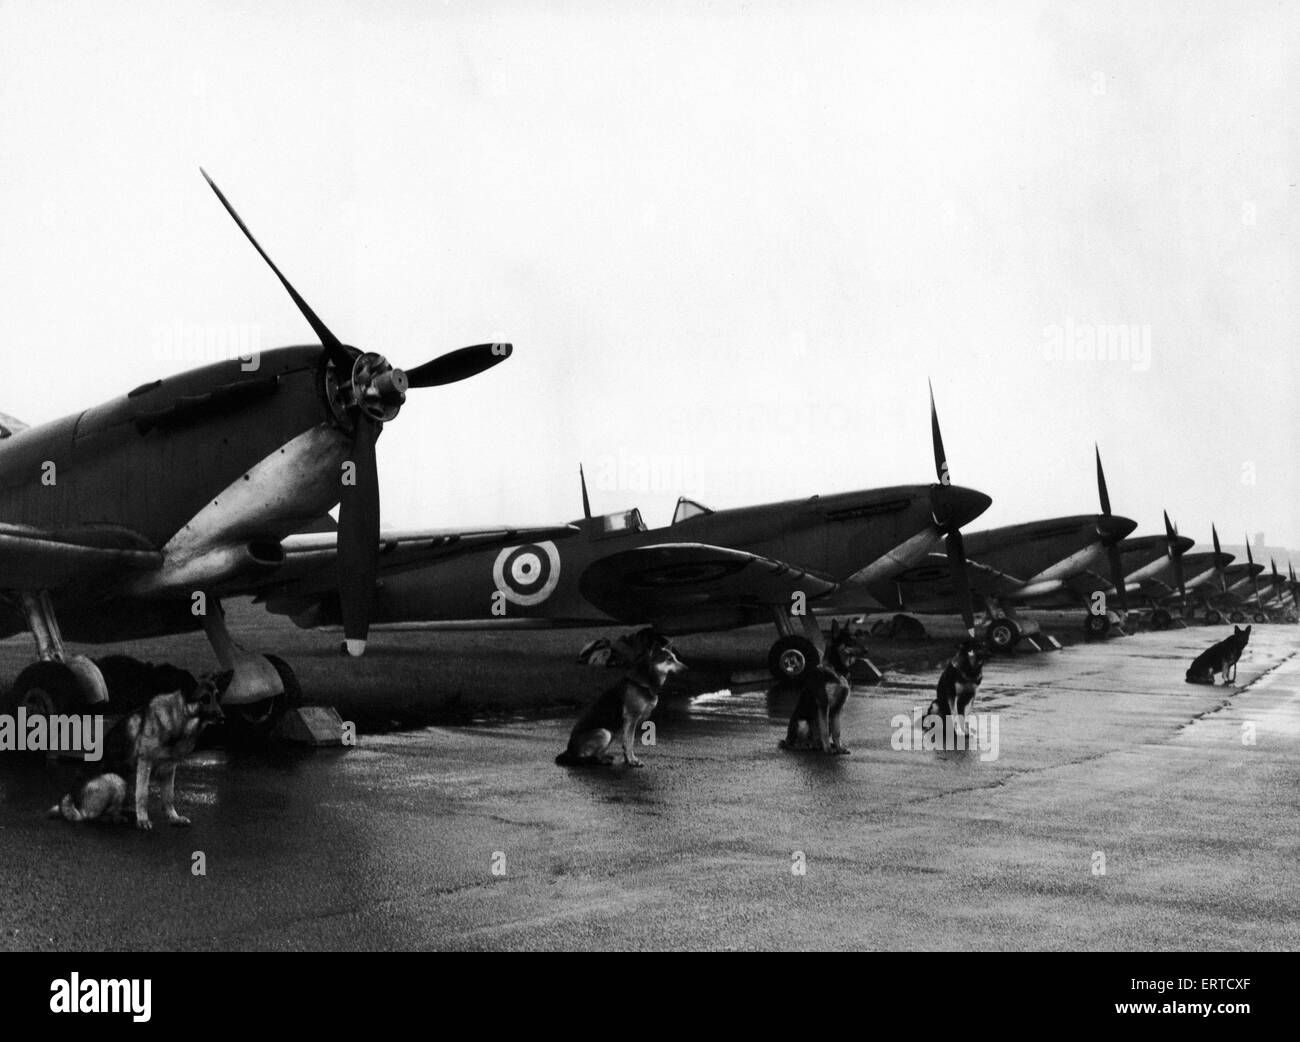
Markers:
point(730, 241)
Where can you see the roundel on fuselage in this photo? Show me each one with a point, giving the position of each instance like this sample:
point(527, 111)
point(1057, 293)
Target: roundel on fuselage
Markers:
point(527, 574)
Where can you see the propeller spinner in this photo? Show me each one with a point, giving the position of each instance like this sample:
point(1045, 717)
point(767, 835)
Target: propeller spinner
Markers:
point(369, 391)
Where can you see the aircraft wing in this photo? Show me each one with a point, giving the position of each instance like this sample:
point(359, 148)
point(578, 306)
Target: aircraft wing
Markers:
point(673, 579)
point(32, 559)
point(931, 581)
point(311, 558)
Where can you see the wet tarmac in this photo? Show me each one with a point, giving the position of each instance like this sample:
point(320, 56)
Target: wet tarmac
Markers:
point(1125, 809)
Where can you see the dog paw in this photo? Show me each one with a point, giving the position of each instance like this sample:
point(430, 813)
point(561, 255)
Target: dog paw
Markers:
point(843, 750)
point(143, 823)
point(179, 821)
point(635, 763)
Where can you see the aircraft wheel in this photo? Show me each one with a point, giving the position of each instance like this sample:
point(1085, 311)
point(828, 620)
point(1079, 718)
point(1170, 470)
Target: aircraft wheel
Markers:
point(791, 657)
point(1213, 618)
point(254, 722)
point(45, 689)
point(1096, 625)
point(1161, 619)
point(1001, 635)
point(1260, 617)
point(1237, 616)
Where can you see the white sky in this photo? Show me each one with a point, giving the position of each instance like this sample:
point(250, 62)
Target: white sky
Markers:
point(729, 241)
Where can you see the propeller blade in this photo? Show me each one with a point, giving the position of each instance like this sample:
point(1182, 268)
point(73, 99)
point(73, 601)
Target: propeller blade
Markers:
point(936, 437)
point(586, 503)
point(1254, 579)
point(1223, 575)
point(1101, 483)
point(458, 365)
point(358, 539)
point(338, 354)
point(1176, 555)
point(1117, 577)
point(961, 578)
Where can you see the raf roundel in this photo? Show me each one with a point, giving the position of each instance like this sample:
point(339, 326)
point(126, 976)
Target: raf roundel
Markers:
point(527, 574)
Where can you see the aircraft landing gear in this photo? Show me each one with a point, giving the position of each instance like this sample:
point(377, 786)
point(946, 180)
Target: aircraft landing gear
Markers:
point(1237, 616)
point(791, 657)
point(1095, 626)
point(1260, 617)
point(259, 689)
point(57, 682)
point(1002, 635)
point(1161, 619)
point(795, 652)
point(1213, 618)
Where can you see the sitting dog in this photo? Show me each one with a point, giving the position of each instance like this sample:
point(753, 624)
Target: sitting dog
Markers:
point(823, 690)
point(160, 735)
point(1219, 658)
point(959, 683)
point(622, 709)
point(94, 798)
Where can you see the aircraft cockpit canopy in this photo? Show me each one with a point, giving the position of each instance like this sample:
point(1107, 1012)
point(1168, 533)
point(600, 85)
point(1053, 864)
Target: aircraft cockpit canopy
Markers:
point(688, 508)
point(623, 521)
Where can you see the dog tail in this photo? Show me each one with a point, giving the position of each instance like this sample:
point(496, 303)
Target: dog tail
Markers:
point(65, 809)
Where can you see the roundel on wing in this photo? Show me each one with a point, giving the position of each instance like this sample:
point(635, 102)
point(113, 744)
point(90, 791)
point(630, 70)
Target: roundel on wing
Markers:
point(527, 574)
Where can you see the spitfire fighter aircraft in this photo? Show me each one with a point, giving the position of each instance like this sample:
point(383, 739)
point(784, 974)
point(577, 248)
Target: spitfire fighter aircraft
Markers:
point(135, 517)
point(1043, 564)
point(707, 570)
point(1154, 571)
point(1238, 591)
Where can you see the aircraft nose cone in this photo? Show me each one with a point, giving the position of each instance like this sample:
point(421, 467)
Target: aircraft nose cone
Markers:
point(1112, 528)
point(392, 384)
point(957, 506)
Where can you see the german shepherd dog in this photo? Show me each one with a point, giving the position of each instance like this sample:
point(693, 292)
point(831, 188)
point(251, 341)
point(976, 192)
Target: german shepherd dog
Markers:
point(959, 683)
point(823, 690)
point(1219, 658)
point(622, 709)
point(158, 735)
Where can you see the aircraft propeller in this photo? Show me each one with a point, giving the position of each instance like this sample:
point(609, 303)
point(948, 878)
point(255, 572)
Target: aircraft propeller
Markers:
point(371, 391)
point(1218, 556)
point(944, 517)
point(1254, 580)
point(1111, 539)
point(1176, 555)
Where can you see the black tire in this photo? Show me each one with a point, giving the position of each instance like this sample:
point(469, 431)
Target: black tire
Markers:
point(1095, 626)
point(1213, 618)
point(791, 657)
point(1237, 616)
point(1260, 617)
point(1161, 619)
point(45, 689)
point(1002, 635)
point(252, 723)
